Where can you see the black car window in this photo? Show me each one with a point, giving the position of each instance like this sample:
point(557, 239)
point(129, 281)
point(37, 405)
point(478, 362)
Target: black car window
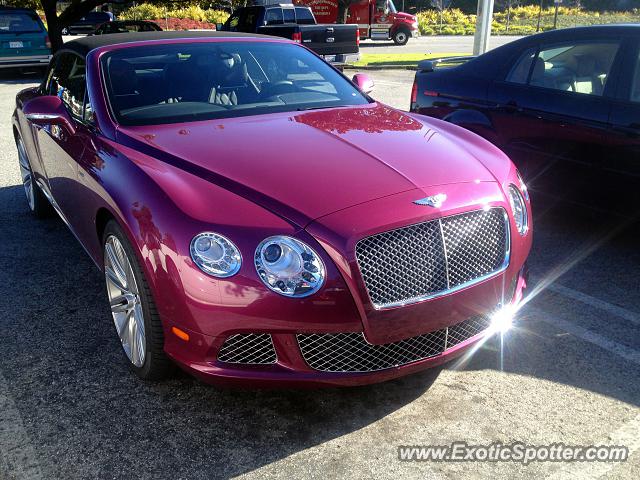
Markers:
point(289, 15)
point(304, 16)
point(581, 68)
point(68, 82)
point(20, 22)
point(273, 16)
point(635, 83)
point(521, 69)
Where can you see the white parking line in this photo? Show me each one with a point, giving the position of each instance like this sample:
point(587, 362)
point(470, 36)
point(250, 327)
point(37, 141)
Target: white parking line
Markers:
point(623, 351)
point(17, 456)
point(596, 302)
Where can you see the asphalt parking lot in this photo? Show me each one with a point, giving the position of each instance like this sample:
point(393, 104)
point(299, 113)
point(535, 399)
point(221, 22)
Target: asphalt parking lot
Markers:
point(569, 372)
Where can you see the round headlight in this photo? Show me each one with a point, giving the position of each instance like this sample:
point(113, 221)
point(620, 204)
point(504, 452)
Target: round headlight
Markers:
point(289, 267)
point(519, 209)
point(215, 255)
point(523, 186)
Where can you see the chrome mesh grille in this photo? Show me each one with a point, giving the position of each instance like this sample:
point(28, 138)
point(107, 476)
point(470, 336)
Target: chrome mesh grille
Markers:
point(476, 244)
point(420, 261)
point(248, 348)
point(465, 330)
point(350, 352)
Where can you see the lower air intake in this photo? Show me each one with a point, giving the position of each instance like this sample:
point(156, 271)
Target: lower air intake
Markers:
point(350, 352)
point(248, 349)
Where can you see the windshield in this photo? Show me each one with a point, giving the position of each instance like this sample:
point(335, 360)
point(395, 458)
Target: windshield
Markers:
point(392, 7)
point(19, 23)
point(192, 82)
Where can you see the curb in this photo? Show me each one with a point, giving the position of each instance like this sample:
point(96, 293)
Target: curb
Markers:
point(381, 67)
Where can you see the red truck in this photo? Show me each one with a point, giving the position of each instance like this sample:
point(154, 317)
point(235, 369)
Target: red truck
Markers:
point(376, 19)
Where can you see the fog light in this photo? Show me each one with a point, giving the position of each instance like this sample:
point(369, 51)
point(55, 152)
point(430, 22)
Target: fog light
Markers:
point(502, 320)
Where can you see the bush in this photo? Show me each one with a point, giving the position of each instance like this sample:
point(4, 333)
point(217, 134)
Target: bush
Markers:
point(146, 11)
point(522, 20)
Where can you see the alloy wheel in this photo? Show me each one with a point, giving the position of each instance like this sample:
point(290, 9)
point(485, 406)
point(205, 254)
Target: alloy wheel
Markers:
point(26, 174)
point(124, 299)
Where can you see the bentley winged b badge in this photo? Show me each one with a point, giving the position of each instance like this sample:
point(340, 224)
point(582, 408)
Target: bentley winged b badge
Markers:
point(435, 201)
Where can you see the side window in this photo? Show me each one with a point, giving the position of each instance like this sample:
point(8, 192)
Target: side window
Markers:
point(520, 71)
point(249, 21)
point(68, 81)
point(304, 16)
point(579, 67)
point(273, 16)
point(635, 83)
point(233, 22)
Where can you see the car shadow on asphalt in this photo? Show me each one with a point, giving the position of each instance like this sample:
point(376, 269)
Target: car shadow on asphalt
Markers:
point(67, 375)
point(18, 77)
point(70, 382)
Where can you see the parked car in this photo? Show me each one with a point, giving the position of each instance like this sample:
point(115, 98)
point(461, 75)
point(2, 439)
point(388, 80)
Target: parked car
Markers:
point(563, 104)
point(127, 26)
point(87, 24)
point(335, 43)
point(23, 39)
point(259, 219)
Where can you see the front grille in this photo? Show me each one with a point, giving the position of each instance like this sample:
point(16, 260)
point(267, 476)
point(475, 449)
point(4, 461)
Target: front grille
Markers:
point(248, 348)
point(350, 352)
point(428, 259)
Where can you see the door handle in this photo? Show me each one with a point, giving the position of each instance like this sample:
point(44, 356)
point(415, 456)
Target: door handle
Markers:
point(512, 106)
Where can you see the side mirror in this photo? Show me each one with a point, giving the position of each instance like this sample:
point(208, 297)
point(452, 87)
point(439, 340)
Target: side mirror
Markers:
point(48, 110)
point(364, 82)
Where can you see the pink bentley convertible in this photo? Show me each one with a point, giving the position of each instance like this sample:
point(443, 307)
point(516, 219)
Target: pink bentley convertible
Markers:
point(259, 219)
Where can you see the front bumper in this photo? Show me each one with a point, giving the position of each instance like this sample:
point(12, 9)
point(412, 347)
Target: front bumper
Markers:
point(26, 61)
point(342, 59)
point(291, 365)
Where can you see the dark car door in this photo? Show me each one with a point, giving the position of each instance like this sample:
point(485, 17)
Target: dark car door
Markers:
point(623, 141)
point(60, 147)
point(552, 108)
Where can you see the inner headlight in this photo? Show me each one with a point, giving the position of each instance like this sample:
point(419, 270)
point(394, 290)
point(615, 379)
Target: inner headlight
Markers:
point(519, 209)
point(289, 267)
point(215, 255)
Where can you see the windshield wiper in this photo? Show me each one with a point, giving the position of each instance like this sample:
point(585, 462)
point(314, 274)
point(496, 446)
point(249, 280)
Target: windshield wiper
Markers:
point(304, 109)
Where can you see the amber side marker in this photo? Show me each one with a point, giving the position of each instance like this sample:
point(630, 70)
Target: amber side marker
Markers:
point(182, 335)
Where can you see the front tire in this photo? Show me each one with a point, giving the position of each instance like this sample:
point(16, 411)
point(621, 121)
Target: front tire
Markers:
point(401, 37)
point(38, 203)
point(133, 309)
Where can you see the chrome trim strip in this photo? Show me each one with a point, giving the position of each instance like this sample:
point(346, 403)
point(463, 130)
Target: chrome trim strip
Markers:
point(446, 254)
point(42, 116)
point(431, 296)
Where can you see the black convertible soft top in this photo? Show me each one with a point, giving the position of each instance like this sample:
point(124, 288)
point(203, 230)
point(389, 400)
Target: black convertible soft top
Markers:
point(86, 44)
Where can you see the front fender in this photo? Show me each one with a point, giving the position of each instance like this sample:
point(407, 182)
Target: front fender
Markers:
point(161, 208)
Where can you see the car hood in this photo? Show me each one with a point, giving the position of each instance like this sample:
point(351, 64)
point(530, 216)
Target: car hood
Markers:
point(309, 164)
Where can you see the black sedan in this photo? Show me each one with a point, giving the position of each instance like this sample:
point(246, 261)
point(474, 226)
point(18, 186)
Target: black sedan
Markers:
point(564, 101)
point(87, 24)
point(127, 26)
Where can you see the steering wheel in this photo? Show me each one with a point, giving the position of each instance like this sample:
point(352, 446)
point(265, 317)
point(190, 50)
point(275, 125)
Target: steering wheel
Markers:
point(277, 88)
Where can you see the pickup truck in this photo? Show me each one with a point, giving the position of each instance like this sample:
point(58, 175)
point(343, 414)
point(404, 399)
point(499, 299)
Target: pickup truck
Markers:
point(338, 44)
